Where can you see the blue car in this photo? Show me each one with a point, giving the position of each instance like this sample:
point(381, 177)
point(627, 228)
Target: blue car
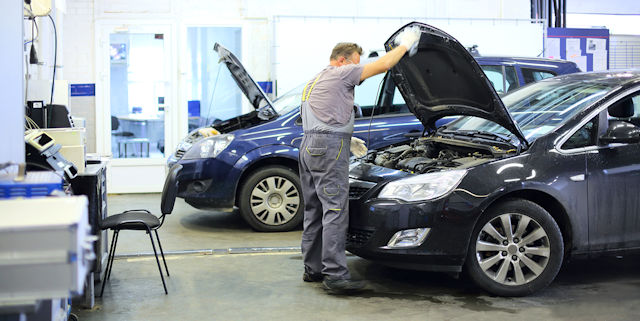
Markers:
point(251, 161)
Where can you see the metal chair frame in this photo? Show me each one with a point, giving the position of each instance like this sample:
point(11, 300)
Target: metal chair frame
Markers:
point(169, 193)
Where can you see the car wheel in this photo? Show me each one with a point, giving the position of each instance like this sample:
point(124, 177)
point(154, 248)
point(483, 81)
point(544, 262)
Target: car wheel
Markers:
point(516, 249)
point(271, 199)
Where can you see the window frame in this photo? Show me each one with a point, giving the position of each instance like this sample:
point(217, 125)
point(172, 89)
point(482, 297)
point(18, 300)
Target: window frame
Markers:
point(635, 90)
point(524, 78)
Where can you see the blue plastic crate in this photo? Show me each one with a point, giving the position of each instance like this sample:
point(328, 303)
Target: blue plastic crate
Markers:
point(35, 184)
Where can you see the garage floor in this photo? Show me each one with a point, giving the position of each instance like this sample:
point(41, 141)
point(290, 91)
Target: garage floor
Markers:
point(238, 274)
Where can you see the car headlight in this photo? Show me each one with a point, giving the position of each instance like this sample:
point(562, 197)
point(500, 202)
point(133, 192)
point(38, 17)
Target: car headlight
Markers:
point(423, 187)
point(209, 147)
point(184, 145)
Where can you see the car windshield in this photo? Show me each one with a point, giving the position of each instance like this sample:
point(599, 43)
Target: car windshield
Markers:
point(538, 108)
point(289, 101)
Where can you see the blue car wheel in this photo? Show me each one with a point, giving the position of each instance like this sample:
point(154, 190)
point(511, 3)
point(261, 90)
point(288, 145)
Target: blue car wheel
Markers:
point(271, 199)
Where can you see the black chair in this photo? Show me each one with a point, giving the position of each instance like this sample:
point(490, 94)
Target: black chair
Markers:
point(126, 138)
point(115, 125)
point(143, 220)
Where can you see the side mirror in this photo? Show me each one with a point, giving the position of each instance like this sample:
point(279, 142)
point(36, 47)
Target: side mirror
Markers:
point(357, 110)
point(620, 132)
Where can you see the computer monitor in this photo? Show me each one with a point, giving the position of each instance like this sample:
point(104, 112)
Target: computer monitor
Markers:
point(58, 116)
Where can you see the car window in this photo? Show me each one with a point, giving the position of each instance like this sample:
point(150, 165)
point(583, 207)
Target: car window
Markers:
point(502, 82)
point(366, 94)
point(532, 75)
point(540, 107)
point(585, 136)
point(631, 101)
point(289, 101)
point(390, 100)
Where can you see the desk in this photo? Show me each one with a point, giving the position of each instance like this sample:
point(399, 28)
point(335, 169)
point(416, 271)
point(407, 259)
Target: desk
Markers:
point(93, 184)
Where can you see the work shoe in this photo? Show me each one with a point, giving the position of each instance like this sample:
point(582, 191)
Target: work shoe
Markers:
point(312, 277)
point(342, 286)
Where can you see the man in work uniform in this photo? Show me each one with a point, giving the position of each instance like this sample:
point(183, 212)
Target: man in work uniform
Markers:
point(327, 119)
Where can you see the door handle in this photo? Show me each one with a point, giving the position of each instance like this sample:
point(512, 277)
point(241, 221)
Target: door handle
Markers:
point(577, 178)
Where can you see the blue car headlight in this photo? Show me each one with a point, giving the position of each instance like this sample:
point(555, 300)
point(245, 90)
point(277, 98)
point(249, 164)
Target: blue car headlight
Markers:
point(209, 147)
point(424, 186)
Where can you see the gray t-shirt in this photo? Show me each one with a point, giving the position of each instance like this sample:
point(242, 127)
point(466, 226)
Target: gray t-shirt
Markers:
point(331, 98)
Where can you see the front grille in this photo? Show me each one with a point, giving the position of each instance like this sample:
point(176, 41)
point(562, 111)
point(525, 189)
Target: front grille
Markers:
point(358, 237)
point(179, 153)
point(357, 192)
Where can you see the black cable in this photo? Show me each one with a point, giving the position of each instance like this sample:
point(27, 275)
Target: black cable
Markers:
point(373, 110)
point(215, 85)
point(55, 57)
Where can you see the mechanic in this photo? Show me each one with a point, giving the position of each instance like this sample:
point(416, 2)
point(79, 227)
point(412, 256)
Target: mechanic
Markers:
point(327, 119)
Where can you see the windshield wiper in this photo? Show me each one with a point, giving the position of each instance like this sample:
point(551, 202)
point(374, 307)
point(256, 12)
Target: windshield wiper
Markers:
point(481, 134)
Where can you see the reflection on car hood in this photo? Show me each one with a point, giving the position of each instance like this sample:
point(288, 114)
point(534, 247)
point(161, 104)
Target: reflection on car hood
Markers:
point(443, 79)
point(249, 87)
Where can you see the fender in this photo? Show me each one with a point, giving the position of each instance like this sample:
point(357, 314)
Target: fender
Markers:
point(260, 154)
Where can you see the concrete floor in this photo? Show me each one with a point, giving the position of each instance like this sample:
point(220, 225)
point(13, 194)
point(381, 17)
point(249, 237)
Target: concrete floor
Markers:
point(231, 283)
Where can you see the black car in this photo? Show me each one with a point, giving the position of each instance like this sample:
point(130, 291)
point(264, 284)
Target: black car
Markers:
point(512, 188)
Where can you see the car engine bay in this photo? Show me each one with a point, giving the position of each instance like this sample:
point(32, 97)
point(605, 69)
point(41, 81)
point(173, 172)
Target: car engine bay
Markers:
point(428, 154)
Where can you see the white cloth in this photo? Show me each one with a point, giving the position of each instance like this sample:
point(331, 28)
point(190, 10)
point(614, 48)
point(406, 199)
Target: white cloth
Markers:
point(409, 38)
point(358, 148)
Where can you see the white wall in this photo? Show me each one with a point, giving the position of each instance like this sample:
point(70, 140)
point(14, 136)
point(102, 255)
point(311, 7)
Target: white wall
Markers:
point(316, 36)
point(11, 83)
point(621, 17)
point(78, 61)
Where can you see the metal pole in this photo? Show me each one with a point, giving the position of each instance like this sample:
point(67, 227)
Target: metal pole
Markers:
point(564, 13)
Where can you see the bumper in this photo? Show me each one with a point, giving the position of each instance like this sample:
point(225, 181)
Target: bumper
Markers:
point(208, 183)
point(372, 223)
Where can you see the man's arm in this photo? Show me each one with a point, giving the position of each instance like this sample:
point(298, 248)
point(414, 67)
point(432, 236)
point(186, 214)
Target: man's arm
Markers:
point(384, 63)
point(404, 41)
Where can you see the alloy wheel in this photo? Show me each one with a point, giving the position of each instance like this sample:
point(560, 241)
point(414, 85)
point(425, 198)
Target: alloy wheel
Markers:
point(274, 200)
point(512, 249)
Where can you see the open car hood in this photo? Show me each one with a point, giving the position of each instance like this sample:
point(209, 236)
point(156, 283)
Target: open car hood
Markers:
point(249, 87)
point(443, 79)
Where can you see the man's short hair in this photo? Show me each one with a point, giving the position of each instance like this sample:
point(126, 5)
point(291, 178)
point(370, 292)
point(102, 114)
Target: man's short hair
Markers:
point(345, 49)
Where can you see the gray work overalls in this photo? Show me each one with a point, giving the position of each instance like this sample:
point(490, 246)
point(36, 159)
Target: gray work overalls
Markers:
point(324, 179)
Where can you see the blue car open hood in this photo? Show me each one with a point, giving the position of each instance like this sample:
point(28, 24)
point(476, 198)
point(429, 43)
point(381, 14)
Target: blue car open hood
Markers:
point(249, 87)
point(443, 79)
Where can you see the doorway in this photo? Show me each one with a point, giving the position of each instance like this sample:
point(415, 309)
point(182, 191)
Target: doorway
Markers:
point(135, 103)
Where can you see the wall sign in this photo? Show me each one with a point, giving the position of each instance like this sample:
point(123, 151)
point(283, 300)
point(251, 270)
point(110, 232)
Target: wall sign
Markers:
point(588, 48)
point(83, 89)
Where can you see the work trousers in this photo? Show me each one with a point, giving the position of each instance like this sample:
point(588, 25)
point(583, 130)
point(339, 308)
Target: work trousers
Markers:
point(324, 178)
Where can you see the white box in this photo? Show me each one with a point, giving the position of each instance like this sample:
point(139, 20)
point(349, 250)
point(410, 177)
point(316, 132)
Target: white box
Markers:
point(74, 154)
point(73, 141)
point(67, 136)
point(45, 248)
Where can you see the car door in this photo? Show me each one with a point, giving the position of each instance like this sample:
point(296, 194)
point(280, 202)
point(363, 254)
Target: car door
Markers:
point(386, 119)
point(613, 195)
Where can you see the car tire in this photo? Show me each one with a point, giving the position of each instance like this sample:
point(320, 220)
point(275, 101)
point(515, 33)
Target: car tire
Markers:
point(520, 262)
point(271, 199)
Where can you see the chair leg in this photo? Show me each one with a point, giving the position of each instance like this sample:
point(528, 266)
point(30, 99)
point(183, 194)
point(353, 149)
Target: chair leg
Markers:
point(157, 260)
point(162, 252)
point(109, 261)
point(116, 235)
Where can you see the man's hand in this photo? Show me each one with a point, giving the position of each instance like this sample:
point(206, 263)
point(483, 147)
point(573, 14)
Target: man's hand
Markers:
point(406, 41)
point(408, 38)
point(358, 148)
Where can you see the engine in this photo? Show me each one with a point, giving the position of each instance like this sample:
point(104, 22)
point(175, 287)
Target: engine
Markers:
point(425, 155)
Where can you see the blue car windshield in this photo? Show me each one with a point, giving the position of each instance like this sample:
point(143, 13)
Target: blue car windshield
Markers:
point(539, 108)
point(289, 101)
